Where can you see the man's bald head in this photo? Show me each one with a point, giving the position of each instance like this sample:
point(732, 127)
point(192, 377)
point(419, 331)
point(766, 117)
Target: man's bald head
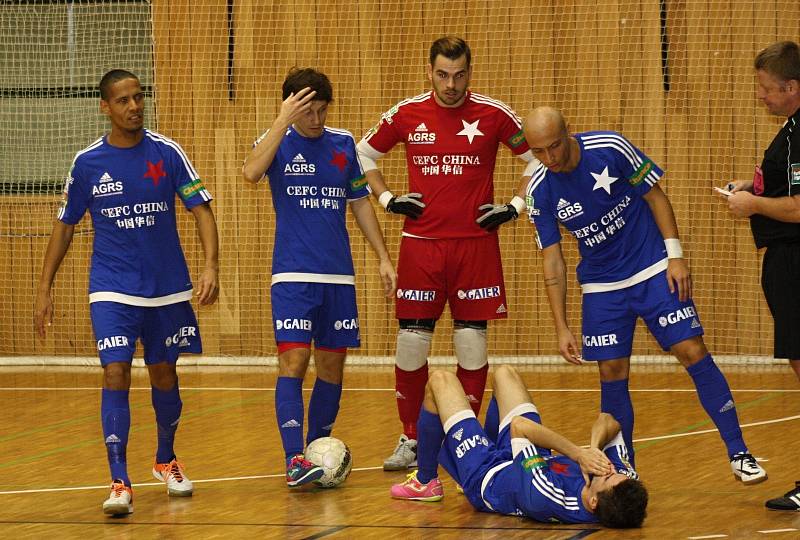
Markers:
point(548, 137)
point(546, 121)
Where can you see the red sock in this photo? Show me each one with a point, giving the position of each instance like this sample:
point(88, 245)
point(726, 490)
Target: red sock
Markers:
point(474, 382)
point(410, 391)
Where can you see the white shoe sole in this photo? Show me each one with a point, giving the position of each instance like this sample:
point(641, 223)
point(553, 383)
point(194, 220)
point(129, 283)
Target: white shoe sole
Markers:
point(750, 482)
point(174, 492)
point(117, 509)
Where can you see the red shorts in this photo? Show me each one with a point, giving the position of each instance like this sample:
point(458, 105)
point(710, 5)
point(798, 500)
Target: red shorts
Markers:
point(466, 272)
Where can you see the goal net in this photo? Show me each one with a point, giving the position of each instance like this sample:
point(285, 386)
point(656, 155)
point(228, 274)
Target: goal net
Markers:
point(675, 77)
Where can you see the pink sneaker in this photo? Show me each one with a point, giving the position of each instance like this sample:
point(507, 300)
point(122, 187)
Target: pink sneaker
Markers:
point(413, 490)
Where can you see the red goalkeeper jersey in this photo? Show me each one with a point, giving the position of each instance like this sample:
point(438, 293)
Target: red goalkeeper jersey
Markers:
point(450, 153)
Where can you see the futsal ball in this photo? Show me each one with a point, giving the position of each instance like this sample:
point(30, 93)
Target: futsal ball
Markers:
point(333, 456)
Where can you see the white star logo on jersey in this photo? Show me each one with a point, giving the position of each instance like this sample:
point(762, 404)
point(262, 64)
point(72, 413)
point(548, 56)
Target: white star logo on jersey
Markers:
point(470, 130)
point(603, 180)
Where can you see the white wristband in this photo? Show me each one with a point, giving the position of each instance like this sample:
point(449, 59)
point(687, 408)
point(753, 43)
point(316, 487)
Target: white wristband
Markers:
point(519, 204)
point(674, 250)
point(385, 197)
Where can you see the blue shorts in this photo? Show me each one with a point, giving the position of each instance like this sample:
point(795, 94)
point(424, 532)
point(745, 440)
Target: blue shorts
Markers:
point(324, 312)
point(467, 455)
point(165, 331)
point(609, 318)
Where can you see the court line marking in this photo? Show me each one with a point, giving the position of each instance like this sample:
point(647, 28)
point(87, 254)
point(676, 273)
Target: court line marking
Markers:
point(280, 475)
point(252, 389)
point(770, 531)
point(707, 536)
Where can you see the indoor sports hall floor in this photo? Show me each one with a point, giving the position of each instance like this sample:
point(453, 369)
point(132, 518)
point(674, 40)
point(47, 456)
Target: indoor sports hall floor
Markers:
point(54, 477)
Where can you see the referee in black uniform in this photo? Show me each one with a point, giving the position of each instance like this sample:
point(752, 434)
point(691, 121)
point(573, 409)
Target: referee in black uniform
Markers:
point(772, 202)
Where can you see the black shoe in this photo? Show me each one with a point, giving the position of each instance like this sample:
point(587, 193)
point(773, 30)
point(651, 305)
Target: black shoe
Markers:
point(790, 500)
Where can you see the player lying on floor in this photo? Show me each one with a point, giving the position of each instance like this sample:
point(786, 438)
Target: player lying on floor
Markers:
point(517, 474)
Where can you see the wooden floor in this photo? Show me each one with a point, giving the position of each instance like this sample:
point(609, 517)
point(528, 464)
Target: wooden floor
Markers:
point(54, 477)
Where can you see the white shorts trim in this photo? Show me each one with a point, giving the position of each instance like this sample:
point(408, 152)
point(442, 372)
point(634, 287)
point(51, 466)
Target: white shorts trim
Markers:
point(120, 298)
point(488, 478)
point(302, 277)
point(638, 277)
point(519, 410)
point(458, 417)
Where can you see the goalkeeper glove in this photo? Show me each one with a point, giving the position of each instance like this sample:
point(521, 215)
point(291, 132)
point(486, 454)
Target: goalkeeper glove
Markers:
point(409, 204)
point(495, 215)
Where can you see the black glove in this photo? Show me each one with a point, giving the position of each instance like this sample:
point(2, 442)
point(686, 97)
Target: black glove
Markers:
point(408, 205)
point(495, 215)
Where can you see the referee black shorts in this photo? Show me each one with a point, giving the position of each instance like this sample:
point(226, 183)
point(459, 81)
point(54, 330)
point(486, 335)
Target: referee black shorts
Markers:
point(780, 279)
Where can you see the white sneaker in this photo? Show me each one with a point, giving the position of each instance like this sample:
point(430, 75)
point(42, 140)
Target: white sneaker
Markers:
point(120, 501)
point(178, 485)
point(746, 468)
point(403, 457)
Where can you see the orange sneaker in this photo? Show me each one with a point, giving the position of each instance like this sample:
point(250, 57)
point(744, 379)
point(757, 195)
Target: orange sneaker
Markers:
point(178, 485)
point(120, 501)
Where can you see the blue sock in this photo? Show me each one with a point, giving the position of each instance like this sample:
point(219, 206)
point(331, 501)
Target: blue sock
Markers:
point(322, 409)
point(716, 398)
point(430, 435)
point(491, 425)
point(167, 406)
point(289, 412)
point(615, 399)
point(115, 413)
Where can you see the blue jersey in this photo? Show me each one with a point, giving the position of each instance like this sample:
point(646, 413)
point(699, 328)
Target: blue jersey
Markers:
point(600, 203)
point(130, 194)
point(548, 488)
point(312, 179)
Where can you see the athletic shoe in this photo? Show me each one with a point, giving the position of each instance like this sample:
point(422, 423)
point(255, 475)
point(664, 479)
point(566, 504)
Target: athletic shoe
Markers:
point(746, 468)
point(120, 501)
point(404, 455)
point(178, 485)
point(790, 500)
point(301, 471)
point(413, 490)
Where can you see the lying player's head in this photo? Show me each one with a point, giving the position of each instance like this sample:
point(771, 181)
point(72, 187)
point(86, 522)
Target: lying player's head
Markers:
point(778, 71)
point(450, 70)
point(623, 505)
point(313, 122)
point(548, 137)
point(122, 100)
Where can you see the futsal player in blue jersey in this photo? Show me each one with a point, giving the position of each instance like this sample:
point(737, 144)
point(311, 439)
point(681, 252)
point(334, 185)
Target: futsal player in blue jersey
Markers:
point(605, 192)
point(139, 284)
point(509, 467)
point(314, 174)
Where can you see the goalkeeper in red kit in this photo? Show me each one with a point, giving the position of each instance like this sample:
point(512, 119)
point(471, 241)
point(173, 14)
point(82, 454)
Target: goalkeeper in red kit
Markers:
point(449, 252)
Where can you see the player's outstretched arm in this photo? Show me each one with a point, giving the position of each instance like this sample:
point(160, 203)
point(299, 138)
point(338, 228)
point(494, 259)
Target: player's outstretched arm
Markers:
point(604, 429)
point(368, 223)
point(591, 460)
point(261, 156)
point(678, 275)
point(208, 284)
point(57, 247)
point(555, 281)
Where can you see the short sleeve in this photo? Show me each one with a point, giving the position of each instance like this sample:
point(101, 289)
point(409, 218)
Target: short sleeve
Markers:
point(76, 196)
point(617, 453)
point(540, 213)
point(187, 182)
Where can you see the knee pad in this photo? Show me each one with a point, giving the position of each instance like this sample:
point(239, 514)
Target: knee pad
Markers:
point(418, 324)
point(413, 347)
point(470, 346)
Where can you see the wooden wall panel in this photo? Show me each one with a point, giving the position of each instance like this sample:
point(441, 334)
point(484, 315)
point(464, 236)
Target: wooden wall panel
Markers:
point(600, 63)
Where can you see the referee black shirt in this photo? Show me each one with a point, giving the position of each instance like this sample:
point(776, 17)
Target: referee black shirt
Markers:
point(781, 170)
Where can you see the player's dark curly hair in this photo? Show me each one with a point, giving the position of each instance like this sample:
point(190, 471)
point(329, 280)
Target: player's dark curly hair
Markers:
point(622, 507)
point(781, 60)
point(113, 77)
point(299, 78)
point(451, 47)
